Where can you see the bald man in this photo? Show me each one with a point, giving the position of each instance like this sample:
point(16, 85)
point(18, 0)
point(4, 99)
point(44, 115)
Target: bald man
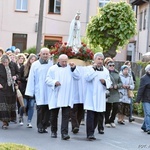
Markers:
point(60, 78)
point(37, 87)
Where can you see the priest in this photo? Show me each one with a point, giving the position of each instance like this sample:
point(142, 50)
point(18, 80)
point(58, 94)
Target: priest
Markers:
point(37, 87)
point(98, 80)
point(60, 78)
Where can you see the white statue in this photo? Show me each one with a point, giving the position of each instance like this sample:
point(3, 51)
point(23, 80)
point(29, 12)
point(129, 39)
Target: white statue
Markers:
point(74, 40)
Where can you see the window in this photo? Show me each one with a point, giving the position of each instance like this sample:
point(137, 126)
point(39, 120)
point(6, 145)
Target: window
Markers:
point(140, 21)
point(19, 41)
point(51, 40)
point(103, 2)
point(21, 5)
point(144, 23)
point(55, 6)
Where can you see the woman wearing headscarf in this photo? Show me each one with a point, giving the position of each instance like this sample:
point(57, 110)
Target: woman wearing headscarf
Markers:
point(125, 100)
point(7, 92)
point(144, 96)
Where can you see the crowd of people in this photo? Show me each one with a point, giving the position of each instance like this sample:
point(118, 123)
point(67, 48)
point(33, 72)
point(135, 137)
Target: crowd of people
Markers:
point(99, 89)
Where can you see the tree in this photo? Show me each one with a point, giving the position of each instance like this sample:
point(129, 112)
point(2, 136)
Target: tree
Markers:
point(112, 27)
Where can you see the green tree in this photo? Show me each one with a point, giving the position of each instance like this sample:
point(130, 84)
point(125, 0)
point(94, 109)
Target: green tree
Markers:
point(112, 27)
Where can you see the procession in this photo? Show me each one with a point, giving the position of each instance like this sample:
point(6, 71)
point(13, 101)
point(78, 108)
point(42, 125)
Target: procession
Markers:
point(68, 90)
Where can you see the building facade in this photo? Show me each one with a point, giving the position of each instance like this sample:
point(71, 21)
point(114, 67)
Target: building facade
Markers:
point(19, 24)
point(141, 42)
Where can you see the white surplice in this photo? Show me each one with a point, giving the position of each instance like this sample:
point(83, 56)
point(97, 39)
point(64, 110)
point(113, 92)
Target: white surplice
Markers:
point(63, 95)
point(80, 86)
point(96, 92)
point(36, 82)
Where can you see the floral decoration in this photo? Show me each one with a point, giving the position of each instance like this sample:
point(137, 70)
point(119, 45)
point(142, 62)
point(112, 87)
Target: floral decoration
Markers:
point(83, 53)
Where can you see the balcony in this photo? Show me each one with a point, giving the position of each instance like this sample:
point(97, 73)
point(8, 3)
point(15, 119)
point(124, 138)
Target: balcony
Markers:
point(138, 2)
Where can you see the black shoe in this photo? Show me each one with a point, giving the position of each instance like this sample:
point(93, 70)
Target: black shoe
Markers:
point(121, 122)
point(65, 137)
point(45, 131)
point(143, 129)
point(148, 132)
point(53, 135)
point(101, 131)
point(75, 130)
point(131, 119)
point(40, 130)
point(91, 137)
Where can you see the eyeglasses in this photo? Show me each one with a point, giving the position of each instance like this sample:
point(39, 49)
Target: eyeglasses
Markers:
point(111, 65)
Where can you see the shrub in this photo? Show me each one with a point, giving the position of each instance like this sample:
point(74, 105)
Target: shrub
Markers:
point(137, 109)
point(13, 146)
point(30, 50)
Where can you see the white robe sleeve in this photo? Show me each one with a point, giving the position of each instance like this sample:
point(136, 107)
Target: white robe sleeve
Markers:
point(30, 89)
point(90, 74)
point(76, 73)
point(50, 81)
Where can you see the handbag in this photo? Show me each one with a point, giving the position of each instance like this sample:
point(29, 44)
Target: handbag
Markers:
point(130, 93)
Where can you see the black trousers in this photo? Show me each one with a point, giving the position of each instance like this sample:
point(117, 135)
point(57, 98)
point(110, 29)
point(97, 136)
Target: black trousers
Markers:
point(64, 120)
point(91, 122)
point(43, 115)
point(101, 116)
point(77, 113)
point(111, 111)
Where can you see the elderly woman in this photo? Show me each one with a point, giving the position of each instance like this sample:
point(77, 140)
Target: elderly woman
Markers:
point(7, 92)
point(113, 100)
point(128, 84)
point(144, 96)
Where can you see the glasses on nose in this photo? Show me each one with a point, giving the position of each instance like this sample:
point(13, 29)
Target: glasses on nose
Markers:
point(111, 65)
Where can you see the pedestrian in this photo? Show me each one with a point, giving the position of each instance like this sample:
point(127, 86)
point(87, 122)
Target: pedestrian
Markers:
point(7, 92)
point(60, 79)
point(37, 87)
point(125, 100)
point(128, 63)
point(28, 101)
point(1, 52)
point(113, 100)
point(98, 80)
point(143, 95)
point(101, 115)
point(77, 112)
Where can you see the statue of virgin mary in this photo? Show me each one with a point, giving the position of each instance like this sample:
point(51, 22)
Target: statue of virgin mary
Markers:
point(74, 39)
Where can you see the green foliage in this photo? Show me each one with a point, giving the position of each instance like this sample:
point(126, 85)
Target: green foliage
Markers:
point(137, 83)
point(12, 146)
point(30, 50)
point(137, 109)
point(94, 49)
point(112, 27)
point(143, 64)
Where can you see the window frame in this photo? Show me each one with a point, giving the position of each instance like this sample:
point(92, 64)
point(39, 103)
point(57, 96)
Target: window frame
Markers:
point(21, 7)
point(144, 19)
point(104, 2)
point(54, 7)
point(140, 21)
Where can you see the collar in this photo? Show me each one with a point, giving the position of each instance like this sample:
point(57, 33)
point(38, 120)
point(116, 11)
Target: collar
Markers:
point(43, 61)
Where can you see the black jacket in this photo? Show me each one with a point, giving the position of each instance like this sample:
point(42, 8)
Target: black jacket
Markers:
point(3, 80)
point(144, 89)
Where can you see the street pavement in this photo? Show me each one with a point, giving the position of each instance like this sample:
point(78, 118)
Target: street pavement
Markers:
point(123, 137)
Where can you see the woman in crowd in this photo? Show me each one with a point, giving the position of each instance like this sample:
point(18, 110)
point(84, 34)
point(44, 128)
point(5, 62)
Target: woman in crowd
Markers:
point(128, 63)
point(7, 92)
point(144, 96)
point(113, 100)
point(28, 101)
point(128, 84)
